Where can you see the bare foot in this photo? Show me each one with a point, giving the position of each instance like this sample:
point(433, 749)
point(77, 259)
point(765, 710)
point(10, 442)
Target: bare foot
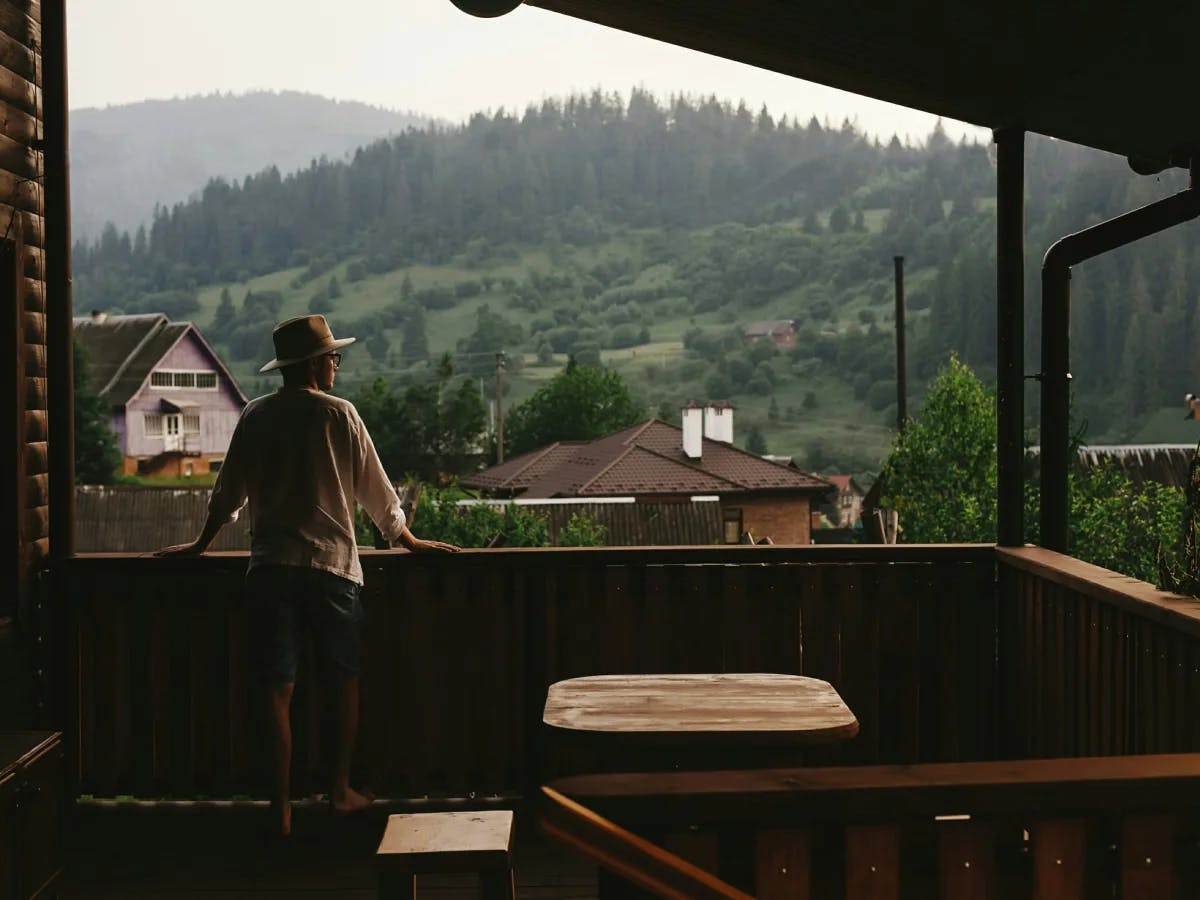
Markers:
point(351, 801)
point(282, 819)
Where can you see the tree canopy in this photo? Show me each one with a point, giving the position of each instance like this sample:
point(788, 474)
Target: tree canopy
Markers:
point(97, 455)
point(941, 479)
point(941, 473)
point(580, 403)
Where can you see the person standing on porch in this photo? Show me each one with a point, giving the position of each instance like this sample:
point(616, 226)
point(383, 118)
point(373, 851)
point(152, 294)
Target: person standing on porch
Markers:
point(302, 459)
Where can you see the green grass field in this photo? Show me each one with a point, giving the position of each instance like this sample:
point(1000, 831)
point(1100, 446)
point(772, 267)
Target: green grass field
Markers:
point(837, 428)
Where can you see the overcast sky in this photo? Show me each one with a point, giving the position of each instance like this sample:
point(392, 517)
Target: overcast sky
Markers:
point(419, 55)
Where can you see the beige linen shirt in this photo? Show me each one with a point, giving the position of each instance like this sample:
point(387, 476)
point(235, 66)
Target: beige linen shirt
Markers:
point(302, 459)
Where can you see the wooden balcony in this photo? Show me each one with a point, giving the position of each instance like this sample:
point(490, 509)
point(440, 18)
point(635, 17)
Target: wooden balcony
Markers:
point(947, 654)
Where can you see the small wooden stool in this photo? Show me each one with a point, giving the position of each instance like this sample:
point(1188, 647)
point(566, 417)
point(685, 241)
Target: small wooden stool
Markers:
point(446, 843)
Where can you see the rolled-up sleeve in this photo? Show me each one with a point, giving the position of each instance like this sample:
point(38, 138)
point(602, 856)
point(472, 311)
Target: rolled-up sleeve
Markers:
point(373, 490)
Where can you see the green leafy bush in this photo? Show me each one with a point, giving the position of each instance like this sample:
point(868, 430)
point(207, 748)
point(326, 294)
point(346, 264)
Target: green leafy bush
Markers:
point(581, 530)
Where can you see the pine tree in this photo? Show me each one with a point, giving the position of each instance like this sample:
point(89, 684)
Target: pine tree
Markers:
point(414, 344)
point(755, 442)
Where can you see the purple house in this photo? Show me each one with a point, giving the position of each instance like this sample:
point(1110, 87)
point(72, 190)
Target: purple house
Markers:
point(174, 404)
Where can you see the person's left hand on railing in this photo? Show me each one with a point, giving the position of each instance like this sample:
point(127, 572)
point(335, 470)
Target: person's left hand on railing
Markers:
point(419, 545)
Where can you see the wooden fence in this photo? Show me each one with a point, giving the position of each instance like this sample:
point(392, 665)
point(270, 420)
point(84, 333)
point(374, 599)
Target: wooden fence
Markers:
point(460, 651)
point(1093, 663)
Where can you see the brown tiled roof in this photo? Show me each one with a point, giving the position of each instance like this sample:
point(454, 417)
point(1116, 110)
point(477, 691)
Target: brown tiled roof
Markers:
point(122, 351)
point(643, 460)
point(520, 472)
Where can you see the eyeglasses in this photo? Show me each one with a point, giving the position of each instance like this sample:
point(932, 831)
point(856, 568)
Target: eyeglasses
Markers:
point(336, 358)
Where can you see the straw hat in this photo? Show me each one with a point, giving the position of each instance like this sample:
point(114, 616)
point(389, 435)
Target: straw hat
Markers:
point(302, 338)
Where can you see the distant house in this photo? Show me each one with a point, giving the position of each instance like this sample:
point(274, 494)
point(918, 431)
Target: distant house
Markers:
point(174, 404)
point(659, 462)
point(780, 332)
point(845, 508)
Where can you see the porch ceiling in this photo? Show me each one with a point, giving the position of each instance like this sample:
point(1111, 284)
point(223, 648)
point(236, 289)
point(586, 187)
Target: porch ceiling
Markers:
point(1111, 74)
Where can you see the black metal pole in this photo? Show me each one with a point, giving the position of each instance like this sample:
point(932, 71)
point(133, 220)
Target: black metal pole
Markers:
point(499, 407)
point(60, 382)
point(1010, 336)
point(1056, 341)
point(901, 368)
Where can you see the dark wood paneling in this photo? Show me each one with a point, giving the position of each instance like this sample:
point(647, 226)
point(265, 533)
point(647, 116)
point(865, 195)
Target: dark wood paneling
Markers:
point(1092, 662)
point(459, 655)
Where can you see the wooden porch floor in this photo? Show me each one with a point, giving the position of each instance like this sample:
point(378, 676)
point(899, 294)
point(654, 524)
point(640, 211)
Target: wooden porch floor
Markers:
point(197, 852)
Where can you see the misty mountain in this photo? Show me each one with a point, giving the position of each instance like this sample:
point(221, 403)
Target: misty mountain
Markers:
point(125, 159)
point(594, 225)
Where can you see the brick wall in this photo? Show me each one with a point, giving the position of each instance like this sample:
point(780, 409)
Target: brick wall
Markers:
point(785, 520)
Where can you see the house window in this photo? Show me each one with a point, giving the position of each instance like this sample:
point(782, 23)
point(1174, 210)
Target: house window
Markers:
point(191, 423)
point(733, 524)
point(188, 469)
point(214, 465)
point(168, 379)
point(153, 424)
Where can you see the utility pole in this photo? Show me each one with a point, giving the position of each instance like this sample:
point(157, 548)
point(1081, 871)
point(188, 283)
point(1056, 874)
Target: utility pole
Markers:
point(901, 372)
point(499, 406)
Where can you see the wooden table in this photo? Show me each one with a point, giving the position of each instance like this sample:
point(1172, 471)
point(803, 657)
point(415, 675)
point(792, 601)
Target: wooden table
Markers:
point(696, 721)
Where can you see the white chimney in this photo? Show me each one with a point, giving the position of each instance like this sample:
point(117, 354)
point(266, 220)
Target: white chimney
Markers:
point(693, 424)
point(718, 421)
point(99, 315)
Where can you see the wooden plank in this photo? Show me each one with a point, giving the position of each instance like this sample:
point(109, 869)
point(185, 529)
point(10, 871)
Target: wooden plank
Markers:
point(18, 93)
point(700, 848)
point(1059, 859)
point(378, 709)
point(1148, 857)
point(33, 324)
point(627, 855)
point(900, 663)
point(873, 862)
point(19, 58)
point(782, 862)
point(1090, 676)
point(938, 671)
point(1138, 597)
point(860, 662)
point(23, 24)
point(965, 861)
point(140, 700)
point(975, 703)
point(414, 612)
point(820, 624)
point(1165, 781)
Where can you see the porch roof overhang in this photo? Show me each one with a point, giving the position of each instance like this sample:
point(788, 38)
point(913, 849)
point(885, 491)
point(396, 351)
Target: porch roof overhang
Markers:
point(1111, 75)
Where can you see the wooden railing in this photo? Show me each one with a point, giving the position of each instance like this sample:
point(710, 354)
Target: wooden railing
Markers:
point(1044, 829)
point(1093, 663)
point(460, 651)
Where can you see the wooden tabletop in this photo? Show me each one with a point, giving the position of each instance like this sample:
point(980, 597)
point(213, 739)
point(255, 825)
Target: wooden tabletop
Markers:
point(782, 710)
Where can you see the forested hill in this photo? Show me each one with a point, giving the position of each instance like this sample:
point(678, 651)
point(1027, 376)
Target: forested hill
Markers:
point(126, 159)
point(654, 231)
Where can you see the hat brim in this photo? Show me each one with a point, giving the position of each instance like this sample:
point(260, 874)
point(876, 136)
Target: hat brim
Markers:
point(320, 351)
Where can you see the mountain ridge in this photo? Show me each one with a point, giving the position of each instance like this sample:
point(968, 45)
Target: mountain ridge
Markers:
point(128, 158)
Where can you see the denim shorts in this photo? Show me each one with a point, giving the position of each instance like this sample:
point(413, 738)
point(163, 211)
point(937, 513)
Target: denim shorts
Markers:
point(289, 604)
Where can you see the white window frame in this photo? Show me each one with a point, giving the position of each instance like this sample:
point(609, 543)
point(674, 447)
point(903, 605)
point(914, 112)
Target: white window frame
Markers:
point(190, 423)
point(146, 419)
point(183, 375)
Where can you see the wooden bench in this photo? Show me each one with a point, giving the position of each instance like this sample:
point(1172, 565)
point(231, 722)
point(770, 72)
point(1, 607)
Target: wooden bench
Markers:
point(1042, 828)
point(446, 843)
